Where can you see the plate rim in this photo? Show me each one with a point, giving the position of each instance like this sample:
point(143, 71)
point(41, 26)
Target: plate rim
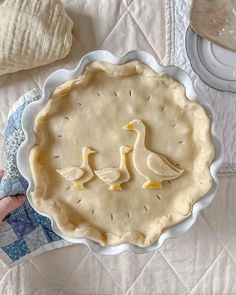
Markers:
point(202, 72)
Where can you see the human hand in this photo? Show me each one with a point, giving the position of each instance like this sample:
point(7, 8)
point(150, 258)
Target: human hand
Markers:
point(9, 203)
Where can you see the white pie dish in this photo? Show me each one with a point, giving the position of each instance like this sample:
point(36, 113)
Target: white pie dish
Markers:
point(63, 75)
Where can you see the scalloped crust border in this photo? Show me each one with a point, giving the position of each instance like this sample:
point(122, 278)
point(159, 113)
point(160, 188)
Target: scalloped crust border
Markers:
point(85, 230)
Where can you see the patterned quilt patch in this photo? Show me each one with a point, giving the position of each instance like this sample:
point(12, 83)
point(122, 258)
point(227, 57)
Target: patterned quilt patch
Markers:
point(24, 230)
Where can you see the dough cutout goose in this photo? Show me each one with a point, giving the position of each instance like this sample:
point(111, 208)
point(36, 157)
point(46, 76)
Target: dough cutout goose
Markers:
point(116, 176)
point(152, 166)
point(79, 175)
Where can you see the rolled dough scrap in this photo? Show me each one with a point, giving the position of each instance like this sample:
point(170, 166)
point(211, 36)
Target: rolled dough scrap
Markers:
point(215, 20)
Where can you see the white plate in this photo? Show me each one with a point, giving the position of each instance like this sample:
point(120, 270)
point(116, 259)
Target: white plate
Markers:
point(215, 65)
point(61, 76)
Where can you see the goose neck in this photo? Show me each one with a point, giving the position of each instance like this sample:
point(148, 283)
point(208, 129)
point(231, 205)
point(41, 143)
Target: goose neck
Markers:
point(85, 158)
point(140, 139)
point(122, 160)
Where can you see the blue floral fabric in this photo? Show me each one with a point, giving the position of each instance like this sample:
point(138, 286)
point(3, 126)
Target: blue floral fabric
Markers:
point(24, 230)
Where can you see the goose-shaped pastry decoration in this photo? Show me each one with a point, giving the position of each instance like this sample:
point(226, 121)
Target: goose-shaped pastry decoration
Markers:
point(152, 166)
point(114, 177)
point(79, 175)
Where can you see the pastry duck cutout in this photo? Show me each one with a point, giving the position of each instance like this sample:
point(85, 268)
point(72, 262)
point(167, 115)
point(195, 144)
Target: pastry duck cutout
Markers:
point(114, 177)
point(152, 166)
point(79, 175)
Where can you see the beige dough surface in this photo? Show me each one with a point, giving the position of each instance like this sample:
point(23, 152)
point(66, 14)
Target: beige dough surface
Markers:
point(215, 20)
point(91, 111)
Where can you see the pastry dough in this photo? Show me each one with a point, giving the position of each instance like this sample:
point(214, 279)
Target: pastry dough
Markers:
point(91, 111)
point(215, 21)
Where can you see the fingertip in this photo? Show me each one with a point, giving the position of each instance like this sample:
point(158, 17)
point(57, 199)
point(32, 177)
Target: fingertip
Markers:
point(21, 197)
point(1, 174)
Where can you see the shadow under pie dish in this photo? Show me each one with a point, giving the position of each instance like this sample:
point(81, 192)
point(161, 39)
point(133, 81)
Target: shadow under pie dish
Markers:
point(118, 155)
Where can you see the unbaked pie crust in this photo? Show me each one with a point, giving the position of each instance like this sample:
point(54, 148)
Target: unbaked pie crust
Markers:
point(87, 114)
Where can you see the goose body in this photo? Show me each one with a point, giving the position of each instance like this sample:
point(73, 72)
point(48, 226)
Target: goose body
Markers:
point(79, 175)
point(114, 177)
point(153, 167)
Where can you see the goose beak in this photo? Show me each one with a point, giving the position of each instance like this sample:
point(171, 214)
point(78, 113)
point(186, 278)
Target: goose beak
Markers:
point(128, 148)
point(129, 126)
point(91, 151)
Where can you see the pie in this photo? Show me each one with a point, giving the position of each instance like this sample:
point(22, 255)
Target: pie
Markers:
point(120, 155)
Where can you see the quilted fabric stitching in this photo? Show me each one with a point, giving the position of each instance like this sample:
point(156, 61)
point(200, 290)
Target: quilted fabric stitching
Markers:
point(105, 268)
point(142, 270)
point(228, 252)
point(138, 275)
point(78, 42)
point(209, 267)
point(4, 79)
point(187, 289)
point(10, 269)
point(214, 261)
point(82, 260)
point(35, 82)
point(170, 31)
point(223, 246)
point(120, 18)
point(128, 4)
point(39, 273)
point(117, 22)
point(205, 273)
point(132, 16)
point(227, 169)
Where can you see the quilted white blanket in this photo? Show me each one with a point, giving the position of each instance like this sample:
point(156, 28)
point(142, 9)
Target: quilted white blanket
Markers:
point(203, 261)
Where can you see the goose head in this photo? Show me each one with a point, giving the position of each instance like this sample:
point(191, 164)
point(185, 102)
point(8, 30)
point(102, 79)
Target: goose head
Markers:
point(135, 124)
point(88, 151)
point(124, 149)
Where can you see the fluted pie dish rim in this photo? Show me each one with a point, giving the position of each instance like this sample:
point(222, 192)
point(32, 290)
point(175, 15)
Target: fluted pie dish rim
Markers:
point(60, 76)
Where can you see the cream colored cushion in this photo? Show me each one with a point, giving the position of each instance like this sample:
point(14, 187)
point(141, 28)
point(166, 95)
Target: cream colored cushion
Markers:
point(32, 33)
